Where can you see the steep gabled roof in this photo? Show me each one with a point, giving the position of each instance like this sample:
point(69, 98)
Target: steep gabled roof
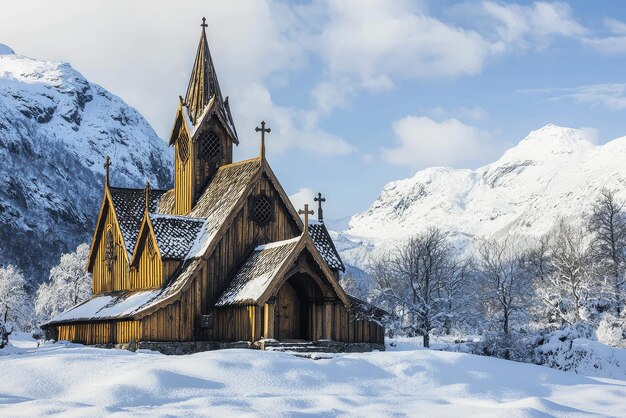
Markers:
point(324, 244)
point(257, 273)
point(175, 235)
point(266, 266)
point(129, 206)
point(218, 201)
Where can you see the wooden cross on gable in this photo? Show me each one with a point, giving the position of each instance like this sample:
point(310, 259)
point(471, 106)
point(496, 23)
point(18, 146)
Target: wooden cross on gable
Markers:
point(319, 199)
point(306, 212)
point(107, 164)
point(263, 130)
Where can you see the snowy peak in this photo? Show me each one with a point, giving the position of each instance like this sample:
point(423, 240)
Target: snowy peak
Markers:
point(550, 142)
point(554, 172)
point(55, 130)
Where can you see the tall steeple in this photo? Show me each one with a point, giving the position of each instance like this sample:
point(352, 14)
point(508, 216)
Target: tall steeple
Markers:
point(203, 84)
point(204, 132)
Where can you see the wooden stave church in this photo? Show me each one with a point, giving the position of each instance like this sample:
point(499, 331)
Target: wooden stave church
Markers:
point(223, 256)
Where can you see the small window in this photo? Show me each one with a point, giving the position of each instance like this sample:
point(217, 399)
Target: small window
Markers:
point(262, 210)
point(109, 248)
point(183, 147)
point(210, 146)
point(150, 248)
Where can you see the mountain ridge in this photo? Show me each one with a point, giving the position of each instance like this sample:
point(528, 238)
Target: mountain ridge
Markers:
point(553, 172)
point(55, 129)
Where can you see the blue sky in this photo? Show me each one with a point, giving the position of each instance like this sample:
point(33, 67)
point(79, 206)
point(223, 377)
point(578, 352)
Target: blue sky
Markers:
point(357, 92)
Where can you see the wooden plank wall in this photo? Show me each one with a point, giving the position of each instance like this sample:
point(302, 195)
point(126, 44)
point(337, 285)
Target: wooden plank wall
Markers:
point(183, 176)
point(104, 279)
point(102, 332)
point(148, 272)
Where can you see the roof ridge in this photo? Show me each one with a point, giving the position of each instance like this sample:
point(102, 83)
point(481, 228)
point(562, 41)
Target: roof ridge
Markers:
point(143, 189)
point(177, 217)
point(277, 244)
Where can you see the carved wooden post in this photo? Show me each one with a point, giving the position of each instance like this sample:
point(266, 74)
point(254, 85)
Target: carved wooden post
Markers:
point(268, 319)
point(328, 320)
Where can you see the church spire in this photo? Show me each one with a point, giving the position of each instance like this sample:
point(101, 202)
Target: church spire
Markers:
point(203, 84)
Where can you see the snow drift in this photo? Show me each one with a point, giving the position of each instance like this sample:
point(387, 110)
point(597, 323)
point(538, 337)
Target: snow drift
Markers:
point(52, 381)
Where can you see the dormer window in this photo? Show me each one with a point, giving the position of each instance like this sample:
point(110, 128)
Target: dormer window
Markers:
point(210, 146)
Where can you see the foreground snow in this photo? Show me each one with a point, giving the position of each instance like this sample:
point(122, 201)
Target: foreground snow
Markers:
point(72, 380)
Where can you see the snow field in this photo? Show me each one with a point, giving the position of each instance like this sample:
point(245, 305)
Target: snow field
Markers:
point(73, 380)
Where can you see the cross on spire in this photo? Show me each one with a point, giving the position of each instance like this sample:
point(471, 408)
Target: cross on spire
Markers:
point(263, 130)
point(306, 212)
point(107, 164)
point(204, 25)
point(319, 199)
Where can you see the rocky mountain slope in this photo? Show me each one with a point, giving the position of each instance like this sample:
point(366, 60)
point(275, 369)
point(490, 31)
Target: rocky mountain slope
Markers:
point(55, 129)
point(553, 172)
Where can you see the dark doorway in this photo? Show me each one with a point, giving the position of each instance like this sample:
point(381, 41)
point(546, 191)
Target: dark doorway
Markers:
point(288, 314)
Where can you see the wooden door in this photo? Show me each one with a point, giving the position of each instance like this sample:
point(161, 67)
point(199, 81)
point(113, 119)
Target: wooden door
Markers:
point(288, 313)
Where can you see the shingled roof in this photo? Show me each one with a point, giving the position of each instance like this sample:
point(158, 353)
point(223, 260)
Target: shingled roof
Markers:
point(324, 244)
point(175, 235)
point(219, 199)
point(130, 206)
point(257, 273)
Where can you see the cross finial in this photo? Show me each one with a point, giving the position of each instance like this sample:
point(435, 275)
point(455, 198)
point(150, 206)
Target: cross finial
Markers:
point(306, 212)
point(107, 164)
point(319, 199)
point(263, 130)
point(147, 196)
point(204, 25)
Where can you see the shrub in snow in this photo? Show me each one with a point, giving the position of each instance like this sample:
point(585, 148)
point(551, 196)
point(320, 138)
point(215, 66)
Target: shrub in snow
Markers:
point(575, 349)
point(69, 285)
point(612, 330)
point(15, 304)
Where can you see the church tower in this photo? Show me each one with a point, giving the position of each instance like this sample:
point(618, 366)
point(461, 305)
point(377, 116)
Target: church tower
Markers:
point(204, 131)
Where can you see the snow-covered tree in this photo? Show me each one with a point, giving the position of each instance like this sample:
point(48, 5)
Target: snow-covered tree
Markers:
point(409, 281)
point(571, 280)
point(505, 282)
point(15, 303)
point(69, 284)
point(607, 223)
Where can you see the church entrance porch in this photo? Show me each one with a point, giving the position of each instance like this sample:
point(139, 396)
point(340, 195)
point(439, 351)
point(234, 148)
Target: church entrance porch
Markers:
point(295, 313)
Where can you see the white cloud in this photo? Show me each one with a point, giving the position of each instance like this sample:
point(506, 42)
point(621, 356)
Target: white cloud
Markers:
point(611, 96)
point(372, 44)
point(302, 197)
point(610, 45)
point(425, 142)
point(521, 26)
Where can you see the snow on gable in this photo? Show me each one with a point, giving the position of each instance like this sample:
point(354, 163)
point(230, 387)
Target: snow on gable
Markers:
point(257, 273)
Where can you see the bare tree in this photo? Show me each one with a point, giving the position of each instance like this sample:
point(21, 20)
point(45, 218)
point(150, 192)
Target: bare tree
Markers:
point(607, 222)
point(570, 280)
point(410, 281)
point(505, 281)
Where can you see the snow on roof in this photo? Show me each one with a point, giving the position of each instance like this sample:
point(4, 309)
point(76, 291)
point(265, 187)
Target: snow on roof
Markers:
point(324, 244)
point(130, 205)
point(219, 199)
point(257, 273)
point(108, 306)
point(175, 235)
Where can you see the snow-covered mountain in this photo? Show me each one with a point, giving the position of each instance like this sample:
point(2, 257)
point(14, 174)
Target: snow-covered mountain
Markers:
point(553, 172)
point(55, 130)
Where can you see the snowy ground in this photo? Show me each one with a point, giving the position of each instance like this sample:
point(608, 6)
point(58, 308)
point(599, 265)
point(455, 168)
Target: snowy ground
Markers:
point(72, 380)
